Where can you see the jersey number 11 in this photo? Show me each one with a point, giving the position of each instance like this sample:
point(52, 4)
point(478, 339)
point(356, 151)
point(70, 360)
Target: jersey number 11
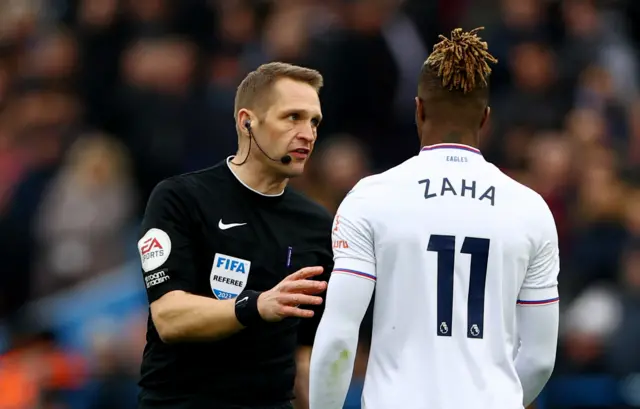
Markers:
point(479, 250)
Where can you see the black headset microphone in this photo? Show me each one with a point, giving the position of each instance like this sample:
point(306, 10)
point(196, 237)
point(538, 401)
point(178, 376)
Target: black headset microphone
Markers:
point(285, 160)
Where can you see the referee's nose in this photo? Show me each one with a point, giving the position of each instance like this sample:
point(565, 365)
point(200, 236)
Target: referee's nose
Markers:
point(308, 133)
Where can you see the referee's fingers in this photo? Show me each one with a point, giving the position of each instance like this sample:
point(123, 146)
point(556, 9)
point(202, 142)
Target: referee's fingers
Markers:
point(289, 311)
point(297, 299)
point(304, 286)
point(304, 273)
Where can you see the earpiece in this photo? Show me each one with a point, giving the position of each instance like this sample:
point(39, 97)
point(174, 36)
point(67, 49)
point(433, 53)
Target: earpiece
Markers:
point(285, 160)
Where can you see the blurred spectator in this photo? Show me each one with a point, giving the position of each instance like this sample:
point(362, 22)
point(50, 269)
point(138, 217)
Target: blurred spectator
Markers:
point(535, 97)
point(337, 165)
point(590, 321)
point(43, 122)
point(53, 56)
point(37, 372)
point(593, 37)
point(521, 21)
point(154, 104)
point(600, 233)
point(549, 165)
point(81, 225)
point(595, 92)
point(624, 357)
point(114, 375)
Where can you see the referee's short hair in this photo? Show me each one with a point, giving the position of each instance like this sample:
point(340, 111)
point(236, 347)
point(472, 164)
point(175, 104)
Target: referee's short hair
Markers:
point(254, 89)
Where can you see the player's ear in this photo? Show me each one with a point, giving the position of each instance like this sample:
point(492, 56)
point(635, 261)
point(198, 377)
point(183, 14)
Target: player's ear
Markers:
point(485, 117)
point(419, 113)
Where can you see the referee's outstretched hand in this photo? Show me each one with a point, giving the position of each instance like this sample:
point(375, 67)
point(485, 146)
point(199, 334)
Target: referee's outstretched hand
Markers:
point(284, 299)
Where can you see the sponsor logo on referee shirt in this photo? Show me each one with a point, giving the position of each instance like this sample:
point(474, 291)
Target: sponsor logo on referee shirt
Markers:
point(229, 276)
point(154, 248)
point(155, 278)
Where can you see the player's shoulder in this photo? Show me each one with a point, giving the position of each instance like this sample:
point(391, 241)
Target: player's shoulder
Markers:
point(523, 197)
point(527, 193)
point(381, 184)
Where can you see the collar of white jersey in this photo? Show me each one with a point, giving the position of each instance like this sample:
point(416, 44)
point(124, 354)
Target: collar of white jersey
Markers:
point(450, 149)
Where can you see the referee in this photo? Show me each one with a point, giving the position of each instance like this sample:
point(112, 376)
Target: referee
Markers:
point(232, 258)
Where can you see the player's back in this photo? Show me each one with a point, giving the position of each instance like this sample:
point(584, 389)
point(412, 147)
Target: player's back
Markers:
point(453, 240)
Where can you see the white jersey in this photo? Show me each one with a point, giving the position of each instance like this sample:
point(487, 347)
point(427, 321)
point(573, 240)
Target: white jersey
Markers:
point(453, 245)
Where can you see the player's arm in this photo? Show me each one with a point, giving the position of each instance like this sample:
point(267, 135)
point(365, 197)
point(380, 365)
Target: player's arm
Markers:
point(538, 312)
point(348, 296)
point(308, 328)
point(166, 251)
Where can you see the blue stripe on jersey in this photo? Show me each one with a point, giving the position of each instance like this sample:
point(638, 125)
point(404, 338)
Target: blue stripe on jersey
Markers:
point(451, 146)
point(355, 273)
point(539, 302)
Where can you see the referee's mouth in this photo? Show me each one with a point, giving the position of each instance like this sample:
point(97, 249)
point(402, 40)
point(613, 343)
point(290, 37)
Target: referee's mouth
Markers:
point(300, 153)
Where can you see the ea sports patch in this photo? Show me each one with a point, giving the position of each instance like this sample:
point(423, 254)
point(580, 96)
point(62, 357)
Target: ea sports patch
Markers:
point(154, 249)
point(229, 276)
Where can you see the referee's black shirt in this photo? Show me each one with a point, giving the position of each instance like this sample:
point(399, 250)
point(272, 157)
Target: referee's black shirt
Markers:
point(208, 234)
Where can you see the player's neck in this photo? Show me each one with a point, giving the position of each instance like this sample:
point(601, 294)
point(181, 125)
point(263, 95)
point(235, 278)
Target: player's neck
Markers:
point(436, 135)
point(259, 177)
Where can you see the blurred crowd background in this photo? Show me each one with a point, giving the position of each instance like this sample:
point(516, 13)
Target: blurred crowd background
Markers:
point(101, 99)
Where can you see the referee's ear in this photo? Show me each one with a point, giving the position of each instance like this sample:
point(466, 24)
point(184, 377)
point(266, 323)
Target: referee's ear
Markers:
point(243, 118)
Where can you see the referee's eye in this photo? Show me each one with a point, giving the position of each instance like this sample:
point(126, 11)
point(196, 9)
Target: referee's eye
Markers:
point(294, 117)
point(315, 122)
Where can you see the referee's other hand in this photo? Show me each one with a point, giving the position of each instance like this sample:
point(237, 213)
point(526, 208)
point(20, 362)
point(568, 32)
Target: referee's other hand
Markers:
point(297, 289)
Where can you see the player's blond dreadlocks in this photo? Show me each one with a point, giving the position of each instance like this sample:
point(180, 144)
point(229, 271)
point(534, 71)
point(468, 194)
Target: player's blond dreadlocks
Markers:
point(462, 61)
